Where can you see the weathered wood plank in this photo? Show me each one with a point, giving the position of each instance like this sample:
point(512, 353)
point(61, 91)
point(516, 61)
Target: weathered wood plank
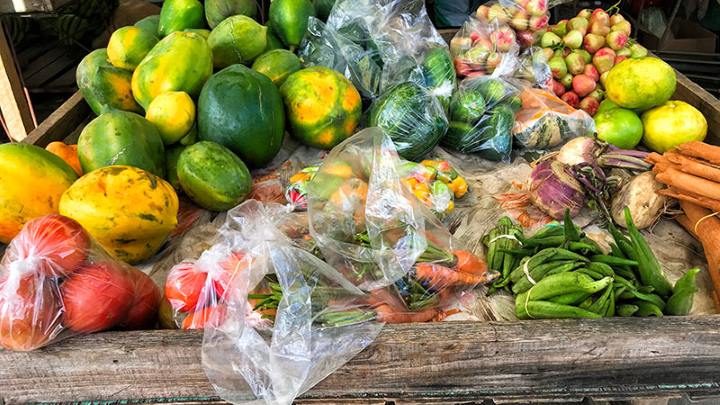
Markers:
point(15, 106)
point(60, 123)
point(520, 361)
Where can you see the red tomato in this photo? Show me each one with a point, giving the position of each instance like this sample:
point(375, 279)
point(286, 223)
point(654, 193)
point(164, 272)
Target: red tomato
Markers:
point(207, 316)
point(144, 309)
point(29, 313)
point(96, 297)
point(184, 285)
point(59, 244)
point(237, 261)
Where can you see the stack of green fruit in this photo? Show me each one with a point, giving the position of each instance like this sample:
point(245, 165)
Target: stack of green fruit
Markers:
point(482, 116)
point(561, 273)
point(581, 51)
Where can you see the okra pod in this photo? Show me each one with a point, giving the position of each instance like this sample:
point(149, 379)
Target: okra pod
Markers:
point(651, 298)
point(539, 273)
point(615, 251)
point(613, 261)
point(568, 255)
point(592, 273)
point(584, 248)
point(519, 271)
point(563, 269)
point(648, 265)
point(680, 303)
point(550, 310)
point(546, 242)
point(610, 311)
point(599, 305)
point(602, 268)
point(647, 309)
point(627, 309)
point(564, 283)
point(569, 228)
point(571, 298)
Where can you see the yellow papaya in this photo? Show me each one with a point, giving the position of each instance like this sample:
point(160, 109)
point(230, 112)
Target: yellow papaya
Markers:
point(173, 114)
point(103, 85)
point(130, 212)
point(31, 183)
point(128, 46)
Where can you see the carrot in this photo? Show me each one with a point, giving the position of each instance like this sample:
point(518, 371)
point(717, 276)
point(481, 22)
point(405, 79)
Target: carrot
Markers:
point(388, 314)
point(469, 263)
point(684, 221)
point(691, 197)
point(693, 166)
point(701, 150)
point(440, 277)
point(688, 182)
point(707, 228)
point(655, 158)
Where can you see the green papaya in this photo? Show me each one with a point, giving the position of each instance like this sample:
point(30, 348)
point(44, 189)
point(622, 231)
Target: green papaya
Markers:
point(179, 15)
point(218, 10)
point(289, 19)
point(237, 39)
point(103, 85)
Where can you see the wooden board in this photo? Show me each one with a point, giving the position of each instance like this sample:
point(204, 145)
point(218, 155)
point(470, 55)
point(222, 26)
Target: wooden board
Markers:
point(608, 359)
point(15, 106)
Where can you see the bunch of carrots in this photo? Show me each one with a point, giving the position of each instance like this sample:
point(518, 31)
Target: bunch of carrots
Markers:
point(692, 173)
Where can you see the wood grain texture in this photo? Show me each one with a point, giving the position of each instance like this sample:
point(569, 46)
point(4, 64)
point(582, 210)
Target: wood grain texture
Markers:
point(15, 106)
point(61, 123)
point(540, 360)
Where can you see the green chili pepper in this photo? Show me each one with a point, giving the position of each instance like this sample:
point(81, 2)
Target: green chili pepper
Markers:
point(647, 309)
point(627, 310)
point(550, 310)
point(613, 261)
point(681, 301)
point(648, 265)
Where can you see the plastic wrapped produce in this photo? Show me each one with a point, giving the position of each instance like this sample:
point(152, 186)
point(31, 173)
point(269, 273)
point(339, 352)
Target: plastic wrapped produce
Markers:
point(482, 116)
point(287, 320)
point(378, 44)
point(56, 282)
point(484, 47)
point(369, 225)
point(412, 117)
point(545, 121)
point(529, 18)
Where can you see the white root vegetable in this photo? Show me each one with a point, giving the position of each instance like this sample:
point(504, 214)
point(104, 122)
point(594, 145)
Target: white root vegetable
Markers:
point(640, 196)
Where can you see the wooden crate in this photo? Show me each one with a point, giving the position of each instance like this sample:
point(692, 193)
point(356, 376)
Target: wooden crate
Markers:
point(567, 360)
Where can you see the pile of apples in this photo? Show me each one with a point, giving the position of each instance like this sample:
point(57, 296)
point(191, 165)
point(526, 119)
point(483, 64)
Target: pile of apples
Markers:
point(581, 51)
point(529, 18)
point(479, 47)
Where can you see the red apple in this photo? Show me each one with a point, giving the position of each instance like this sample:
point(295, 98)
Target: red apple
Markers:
point(591, 71)
point(557, 88)
point(601, 16)
point(571, 98)
point(589, 105)
point(583, 85)
point(604, 60)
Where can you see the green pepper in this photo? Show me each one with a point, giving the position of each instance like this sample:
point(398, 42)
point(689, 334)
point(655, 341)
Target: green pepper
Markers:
point(681, 301)
point(550, 310)
point(648, 265)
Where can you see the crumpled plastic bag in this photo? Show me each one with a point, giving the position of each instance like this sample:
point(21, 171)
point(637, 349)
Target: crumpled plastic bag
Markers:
point(286, 321)
point(482, 116)
point(369, 226)
point(56, 282)
point(377, 44)
point(483, 47)
point(546, 121)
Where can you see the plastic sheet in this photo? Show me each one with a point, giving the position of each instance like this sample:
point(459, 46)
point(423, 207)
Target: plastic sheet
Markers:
point(482, 116)
point(371, 227)
point(483, 47)
point(374, 43)
point(528, 18)
point(56, 282)
point(288, 319)
point(545, 121)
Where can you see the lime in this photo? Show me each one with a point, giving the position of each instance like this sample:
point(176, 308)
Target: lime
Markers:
point(619, 127)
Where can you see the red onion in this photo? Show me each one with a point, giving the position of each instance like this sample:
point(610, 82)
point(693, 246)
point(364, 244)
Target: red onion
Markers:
point(553, 189)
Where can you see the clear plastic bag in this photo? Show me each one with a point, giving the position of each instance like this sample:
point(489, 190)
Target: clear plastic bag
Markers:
point(195, 286)
point(378, 44)
point(370, 227)
point(483, 47)
point(56, 282)
point(482, 116)
point(288, 319)
point(529, 18)
point(545, 121)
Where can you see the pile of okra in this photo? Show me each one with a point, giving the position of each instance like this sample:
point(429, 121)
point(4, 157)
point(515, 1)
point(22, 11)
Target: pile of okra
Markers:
point(561, 273)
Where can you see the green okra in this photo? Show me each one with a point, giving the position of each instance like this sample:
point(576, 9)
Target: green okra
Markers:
point(610, 311)
point(571, 299)
point(599, 305)
point(563, 269)
point(564, 283)
point(647, 309)
point(546, 242)
point(613, 261)
point(602, 268)
point(584, 248)
point(627, 309)
point(648, 265)
point(570, 230)
point(539, 272)
point(592, 273)
point(519, 271)
point(615, 251)
point(550, 310)
point(651, 298)
point(681, 301)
